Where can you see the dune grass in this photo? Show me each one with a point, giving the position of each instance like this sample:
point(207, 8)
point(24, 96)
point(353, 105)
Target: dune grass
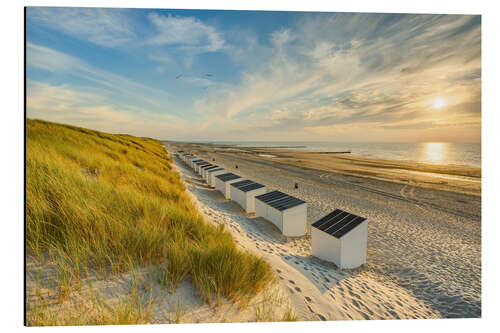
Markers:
point(106, 203)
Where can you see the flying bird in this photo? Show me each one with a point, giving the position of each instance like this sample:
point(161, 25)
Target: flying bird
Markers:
point(208, 75)
point(178, 76)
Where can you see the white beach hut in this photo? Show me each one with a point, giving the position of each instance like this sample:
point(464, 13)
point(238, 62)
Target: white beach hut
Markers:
point(340, 237)
point(223, 181)
point(244, 192)
point(210, 177)
point(199, 164)
point(193, 160)
point(188, 159)
point(287, 213)
point(205, 169)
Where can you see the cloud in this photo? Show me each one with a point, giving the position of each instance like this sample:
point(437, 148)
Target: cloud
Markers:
point(161, 58)
point(50, 60)
point(184, 37)
point(199, 81)
point(281, 37)
point(187, 33)
point(363, 69)
point(66, 104)
point(102, 26)
point(60, 63)
point(358, 76)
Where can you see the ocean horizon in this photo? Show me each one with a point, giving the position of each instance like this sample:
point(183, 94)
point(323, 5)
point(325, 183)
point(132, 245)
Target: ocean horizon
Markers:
point(442, 153)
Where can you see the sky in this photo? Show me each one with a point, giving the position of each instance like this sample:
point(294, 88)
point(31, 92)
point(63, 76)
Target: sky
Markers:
point(200, 75)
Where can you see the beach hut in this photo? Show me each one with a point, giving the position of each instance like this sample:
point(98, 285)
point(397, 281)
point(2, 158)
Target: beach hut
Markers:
point(199, 164)
point(210, 178)
point(340, 237)
point(205, 169)
point(193, 161)
point(186, 157)
point(287, 213)
point(244, 192)
point(223, 181)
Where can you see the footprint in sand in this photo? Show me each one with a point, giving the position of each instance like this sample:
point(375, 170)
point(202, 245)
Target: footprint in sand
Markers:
point(321, 316)
point(291, 281)
point(298, 289)
point(365, 316)
point(308, 299)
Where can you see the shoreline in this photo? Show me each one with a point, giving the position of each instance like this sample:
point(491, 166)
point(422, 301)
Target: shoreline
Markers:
point(452, 178)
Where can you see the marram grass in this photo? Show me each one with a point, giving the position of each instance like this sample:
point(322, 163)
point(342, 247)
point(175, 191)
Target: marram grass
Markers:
point(106, 203)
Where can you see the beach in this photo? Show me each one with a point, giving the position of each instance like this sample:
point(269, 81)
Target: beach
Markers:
point(424, 231)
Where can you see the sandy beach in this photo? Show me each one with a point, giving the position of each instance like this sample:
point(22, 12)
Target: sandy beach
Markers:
point(424, 241)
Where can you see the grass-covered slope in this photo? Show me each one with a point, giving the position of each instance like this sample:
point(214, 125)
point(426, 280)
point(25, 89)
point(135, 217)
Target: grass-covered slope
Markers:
point(106, 203)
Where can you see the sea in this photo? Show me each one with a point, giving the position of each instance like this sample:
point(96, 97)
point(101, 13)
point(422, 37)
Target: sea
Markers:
point(443, 153)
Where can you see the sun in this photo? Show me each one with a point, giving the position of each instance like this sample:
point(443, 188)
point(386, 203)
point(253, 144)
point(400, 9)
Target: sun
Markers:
point(438, 103)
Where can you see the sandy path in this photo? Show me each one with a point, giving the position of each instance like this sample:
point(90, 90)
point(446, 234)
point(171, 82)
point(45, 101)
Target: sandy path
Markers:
point(317, 290)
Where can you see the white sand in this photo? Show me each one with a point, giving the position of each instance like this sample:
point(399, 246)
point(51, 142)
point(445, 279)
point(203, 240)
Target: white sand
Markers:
point(181, 306)
point(317, 290)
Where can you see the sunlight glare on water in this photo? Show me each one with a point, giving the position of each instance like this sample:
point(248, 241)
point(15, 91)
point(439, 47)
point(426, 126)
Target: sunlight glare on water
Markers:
point(434, 152)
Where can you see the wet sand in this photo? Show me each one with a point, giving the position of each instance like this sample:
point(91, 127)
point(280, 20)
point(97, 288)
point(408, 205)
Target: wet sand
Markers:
point(424, 241)
point(456, 178)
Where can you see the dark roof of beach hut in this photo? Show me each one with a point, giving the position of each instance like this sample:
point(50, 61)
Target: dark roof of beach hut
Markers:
point(227, 177)
point(338, 223)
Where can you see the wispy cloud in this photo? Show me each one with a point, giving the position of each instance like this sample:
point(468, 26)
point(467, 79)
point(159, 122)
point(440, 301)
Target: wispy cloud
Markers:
point(66, 104)
point(359, 69)
point(320, 76)
point(102, 26)
point(184, 35)
point(186, 32)
point(281, 37)
point(58, 62)
point(163, 58)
